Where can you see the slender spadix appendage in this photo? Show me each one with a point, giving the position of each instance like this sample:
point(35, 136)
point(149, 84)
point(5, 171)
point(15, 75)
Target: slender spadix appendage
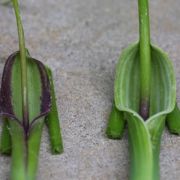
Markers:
point(23, 59)
point(145, 58)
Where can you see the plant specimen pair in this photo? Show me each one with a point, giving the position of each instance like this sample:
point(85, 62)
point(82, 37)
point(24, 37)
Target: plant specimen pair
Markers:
point(145, 99)
point(27, 101)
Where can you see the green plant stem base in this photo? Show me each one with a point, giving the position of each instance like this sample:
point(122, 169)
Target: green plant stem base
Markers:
point(144, 136)
point(173, 121)
point(116, 123)
point(25, 151)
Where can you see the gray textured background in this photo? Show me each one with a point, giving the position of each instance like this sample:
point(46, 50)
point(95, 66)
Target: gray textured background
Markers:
point(81, 41)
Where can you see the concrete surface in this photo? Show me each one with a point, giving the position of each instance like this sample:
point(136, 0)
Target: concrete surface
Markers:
point(81, 40)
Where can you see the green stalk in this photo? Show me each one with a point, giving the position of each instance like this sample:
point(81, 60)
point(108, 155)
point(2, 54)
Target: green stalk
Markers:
point(145, 57)
point(33, 149)
point(19, 136)
point(25, 142)
point(23, 64)
point(18, 162)
point(5, 138)
point(52, 120)
point(144, 149)
point(25, 152)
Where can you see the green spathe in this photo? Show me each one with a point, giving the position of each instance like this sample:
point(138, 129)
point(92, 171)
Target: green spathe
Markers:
point(145, 91)
point(27, 96)
point(22, 143)
point(25, 140)
point(144, 136)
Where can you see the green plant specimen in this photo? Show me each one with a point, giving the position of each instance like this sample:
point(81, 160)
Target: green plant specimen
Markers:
point(145, 93)
point(27, 97)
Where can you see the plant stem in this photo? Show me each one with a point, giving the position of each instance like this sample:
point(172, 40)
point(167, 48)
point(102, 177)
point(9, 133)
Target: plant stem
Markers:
point(33, 149)
point(18, 162)
point(23, 65)
point(145, 57)
point(144, 149)
point(25, 151)
point(52, 120)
